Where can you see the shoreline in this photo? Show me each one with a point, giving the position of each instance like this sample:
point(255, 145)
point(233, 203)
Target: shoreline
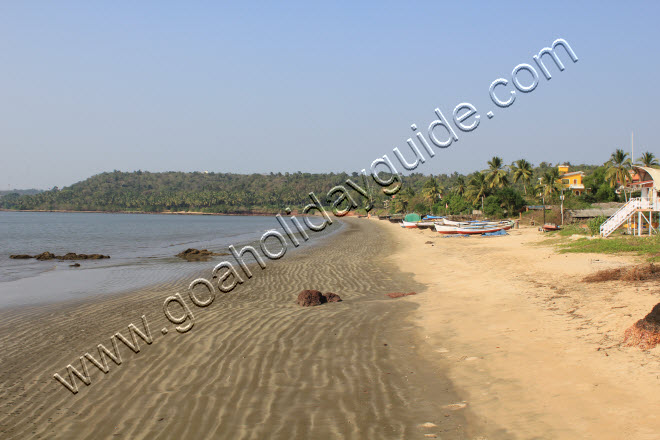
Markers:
point(254, 364)
point(536, 352)
point(175, 270)
point(68, 211)
point(235, 214)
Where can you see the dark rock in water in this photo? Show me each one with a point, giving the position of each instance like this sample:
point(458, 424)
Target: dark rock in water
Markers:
point(332, 297)
point(44, 256)
point(308, 298)
point(197, 254)
point(74, 256)
point(74, 265)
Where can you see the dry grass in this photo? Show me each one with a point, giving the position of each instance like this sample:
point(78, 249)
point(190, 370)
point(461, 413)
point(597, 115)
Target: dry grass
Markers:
point(645, 333)
point(632, 273)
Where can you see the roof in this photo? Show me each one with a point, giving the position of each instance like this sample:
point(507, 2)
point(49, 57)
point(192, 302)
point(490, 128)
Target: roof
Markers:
point(593, 212)
point(654, 174)
point(572, 173)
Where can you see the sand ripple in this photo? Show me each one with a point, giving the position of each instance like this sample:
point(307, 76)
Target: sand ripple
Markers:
point(255, 365)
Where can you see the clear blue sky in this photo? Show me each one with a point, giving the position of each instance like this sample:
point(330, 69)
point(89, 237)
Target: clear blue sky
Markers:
point(88, 87)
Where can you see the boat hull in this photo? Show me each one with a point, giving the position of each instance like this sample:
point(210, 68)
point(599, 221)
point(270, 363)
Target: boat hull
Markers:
point(446, 229)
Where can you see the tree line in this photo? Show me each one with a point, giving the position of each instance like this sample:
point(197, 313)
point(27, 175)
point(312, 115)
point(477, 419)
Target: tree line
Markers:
point(498, 190)
point(505, 189)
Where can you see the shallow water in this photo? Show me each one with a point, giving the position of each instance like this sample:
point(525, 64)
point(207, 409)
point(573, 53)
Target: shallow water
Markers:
point(142, 250)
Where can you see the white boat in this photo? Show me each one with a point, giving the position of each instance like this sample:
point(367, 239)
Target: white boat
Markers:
point(409, 225)
point(469, 230)
point(505, 224)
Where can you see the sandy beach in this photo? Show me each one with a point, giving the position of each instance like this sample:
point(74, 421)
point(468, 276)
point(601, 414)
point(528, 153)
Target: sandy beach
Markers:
point(254, 365)
point(535, 351)
point(502, 340)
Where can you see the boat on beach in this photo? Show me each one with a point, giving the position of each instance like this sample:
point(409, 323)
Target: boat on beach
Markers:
point(469, 230)
point(505, 224)
point(548, 227)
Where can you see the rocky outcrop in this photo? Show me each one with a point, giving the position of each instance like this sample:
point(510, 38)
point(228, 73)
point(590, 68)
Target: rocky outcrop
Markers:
point(72, 256)
point(309, 298)
point(45, 256)
point(198, 254)
point(645, 333)
point(332, 297)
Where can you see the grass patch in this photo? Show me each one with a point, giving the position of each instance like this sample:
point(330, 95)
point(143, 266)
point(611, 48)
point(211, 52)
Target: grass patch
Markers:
point(569, 230)
point(648, 247)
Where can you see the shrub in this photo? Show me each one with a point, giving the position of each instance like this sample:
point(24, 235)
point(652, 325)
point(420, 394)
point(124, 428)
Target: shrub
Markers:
point(492, 207)
point(606, 193)
point(594, 224)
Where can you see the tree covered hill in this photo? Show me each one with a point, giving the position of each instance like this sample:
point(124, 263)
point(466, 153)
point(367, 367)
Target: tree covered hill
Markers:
point(195, 192)
point(505, 187)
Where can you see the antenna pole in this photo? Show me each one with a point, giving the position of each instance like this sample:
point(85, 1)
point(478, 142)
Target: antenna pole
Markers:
point(632, 146)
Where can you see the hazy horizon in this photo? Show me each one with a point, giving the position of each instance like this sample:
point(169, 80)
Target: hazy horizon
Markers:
point(314, 88)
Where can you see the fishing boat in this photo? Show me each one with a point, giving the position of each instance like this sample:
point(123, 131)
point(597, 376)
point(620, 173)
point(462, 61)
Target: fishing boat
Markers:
point(411, 221)
point(551, 227)
point(425, 224)
point(504, 224)
point(468, 230)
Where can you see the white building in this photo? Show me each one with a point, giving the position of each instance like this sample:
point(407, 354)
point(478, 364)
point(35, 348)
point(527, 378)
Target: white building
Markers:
point(642, 212)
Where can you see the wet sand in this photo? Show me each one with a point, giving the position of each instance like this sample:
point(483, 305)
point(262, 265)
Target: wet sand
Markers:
point(254, 365)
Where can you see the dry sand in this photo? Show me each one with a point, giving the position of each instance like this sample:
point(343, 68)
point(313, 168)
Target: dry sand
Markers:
point(255, 365)
point(534, 351)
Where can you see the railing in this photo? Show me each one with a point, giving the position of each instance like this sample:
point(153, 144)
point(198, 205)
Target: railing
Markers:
point(622, 214)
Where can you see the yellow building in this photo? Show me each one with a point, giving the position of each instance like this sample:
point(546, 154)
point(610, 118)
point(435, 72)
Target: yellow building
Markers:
point(573, 180)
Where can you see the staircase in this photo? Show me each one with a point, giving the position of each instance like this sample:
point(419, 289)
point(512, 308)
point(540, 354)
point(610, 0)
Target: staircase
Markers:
point(620, 216)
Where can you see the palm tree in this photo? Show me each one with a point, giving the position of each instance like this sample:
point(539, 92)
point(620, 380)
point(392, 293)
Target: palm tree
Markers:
point(522, 171)
point(477, 187)
point(550, 182)
point(648, 160)
point(618, 170)
point(403, 198)
point(460, 186)
point(497, 176)
point(432, 191)
point(399, 203)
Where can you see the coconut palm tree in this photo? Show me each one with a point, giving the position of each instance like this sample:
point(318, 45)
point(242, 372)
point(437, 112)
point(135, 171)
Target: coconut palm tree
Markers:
point(477, 187)
point(618, 170)
point(403, 198)
point(497, 176)
point(460, 187)
point(648, 160)
point(399, 203)
point(550, 183)
point(432, 191)
point(522, 172)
